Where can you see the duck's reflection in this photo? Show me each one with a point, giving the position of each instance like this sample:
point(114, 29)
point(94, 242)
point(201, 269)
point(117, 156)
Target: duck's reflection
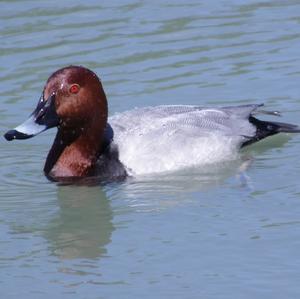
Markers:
point(83, 226)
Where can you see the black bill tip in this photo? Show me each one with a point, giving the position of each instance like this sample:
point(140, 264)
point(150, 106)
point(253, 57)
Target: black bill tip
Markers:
point(14, 134)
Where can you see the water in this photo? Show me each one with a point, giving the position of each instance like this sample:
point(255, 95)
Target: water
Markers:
point(227, 231)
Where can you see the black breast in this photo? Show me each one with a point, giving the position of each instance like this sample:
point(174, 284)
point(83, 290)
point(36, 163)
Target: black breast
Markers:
point(108, 166)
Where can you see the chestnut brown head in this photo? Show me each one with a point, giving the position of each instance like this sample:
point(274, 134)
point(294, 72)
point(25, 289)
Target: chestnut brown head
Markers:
point(73, 97)
point(79, 96)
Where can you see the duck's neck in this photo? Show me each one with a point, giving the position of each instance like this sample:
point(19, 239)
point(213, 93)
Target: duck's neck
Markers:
point(74, 153)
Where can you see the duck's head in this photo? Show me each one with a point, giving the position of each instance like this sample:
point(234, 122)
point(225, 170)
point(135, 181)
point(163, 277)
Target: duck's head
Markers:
point(72, 99)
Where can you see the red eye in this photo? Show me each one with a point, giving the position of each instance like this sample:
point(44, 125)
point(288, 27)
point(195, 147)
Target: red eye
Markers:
point(74, 88)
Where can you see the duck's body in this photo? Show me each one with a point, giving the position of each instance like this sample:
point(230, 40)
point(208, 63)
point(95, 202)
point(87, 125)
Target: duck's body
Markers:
point(143, 140)
point(165, 138)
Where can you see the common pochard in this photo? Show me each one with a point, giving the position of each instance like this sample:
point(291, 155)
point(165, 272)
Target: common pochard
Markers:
point(143, 140)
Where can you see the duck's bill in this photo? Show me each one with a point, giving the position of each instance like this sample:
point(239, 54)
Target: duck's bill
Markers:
point(43, 117)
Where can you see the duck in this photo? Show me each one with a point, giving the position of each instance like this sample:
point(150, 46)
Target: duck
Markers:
point(142, 140)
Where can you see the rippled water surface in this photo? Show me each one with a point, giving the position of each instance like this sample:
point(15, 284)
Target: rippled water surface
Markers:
point(224, 231)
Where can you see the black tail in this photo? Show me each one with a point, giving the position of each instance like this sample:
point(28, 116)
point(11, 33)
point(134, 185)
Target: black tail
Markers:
point(268, 128)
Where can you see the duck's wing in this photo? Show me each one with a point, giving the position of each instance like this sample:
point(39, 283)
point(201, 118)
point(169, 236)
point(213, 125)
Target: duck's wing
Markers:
point(189, 120)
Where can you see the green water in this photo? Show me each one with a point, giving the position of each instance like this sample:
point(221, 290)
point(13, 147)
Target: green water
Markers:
point(229, 231)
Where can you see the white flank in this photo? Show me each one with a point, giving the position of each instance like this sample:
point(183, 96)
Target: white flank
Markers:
point(168, 138)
